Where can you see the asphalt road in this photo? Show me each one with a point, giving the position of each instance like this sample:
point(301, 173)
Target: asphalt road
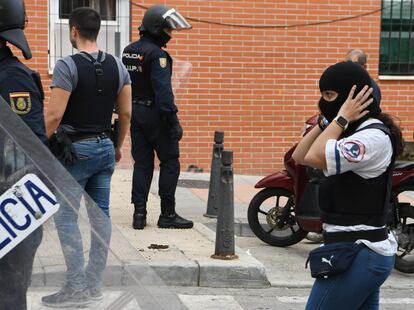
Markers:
point(198, 298)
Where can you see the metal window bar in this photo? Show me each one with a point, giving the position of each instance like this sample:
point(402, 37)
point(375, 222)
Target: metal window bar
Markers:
point(396, 33)
point(409, 37)
point(108, 39)
point(107, 8)
point(389, 37)
point(399, 37)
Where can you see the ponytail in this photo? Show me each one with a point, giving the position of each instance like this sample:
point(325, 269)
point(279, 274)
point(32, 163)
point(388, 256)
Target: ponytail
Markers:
point(396, 133)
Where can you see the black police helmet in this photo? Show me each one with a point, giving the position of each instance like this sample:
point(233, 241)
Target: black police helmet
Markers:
point(12, 23)
point(160, 17)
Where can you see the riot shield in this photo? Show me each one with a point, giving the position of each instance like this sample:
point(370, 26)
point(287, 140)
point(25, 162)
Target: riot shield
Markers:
point(181, 74)
point(33, 187)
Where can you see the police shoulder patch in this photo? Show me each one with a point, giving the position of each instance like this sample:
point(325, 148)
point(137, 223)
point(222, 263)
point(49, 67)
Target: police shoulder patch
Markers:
point(20, 102)
point(163, 62)
point(353, 151)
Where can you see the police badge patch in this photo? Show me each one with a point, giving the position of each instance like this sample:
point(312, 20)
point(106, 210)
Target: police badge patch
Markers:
point(20, 103)
point(352, 150)
point(163, 62)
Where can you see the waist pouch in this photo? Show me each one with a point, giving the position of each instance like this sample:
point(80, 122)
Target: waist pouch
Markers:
point(115, 132)
point(332, 259)
point(61, 146)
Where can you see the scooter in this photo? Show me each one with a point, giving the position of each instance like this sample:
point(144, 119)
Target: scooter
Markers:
point(275, 218)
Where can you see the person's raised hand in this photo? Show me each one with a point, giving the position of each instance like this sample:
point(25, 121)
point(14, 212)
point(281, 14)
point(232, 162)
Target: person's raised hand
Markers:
point(354, 108)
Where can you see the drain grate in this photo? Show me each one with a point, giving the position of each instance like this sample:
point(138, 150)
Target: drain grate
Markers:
point(193, 183)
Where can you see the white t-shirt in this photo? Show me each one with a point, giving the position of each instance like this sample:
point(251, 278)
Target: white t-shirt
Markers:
point(367, 153)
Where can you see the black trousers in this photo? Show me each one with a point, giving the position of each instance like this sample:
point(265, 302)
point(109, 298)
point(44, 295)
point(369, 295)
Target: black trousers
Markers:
point(16, 272)
point(149, 134)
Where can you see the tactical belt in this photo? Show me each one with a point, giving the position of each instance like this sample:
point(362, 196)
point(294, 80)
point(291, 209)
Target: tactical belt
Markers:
point(83, 136)
point(374, 235)
point(145, 102)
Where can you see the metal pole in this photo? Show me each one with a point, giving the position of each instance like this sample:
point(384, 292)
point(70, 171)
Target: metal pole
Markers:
point(213, 190)
point(225, 245)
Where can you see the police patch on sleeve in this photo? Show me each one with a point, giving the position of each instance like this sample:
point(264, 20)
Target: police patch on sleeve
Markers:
point(20, 103)
point(352, 150)
point(163, 62)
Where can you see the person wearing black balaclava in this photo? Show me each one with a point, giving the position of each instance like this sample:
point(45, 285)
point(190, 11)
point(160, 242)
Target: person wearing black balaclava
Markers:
point(359, 57)
point(154, 123)
point(355, 145)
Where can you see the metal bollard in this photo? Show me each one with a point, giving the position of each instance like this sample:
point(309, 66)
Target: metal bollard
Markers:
point(213, 190)
point(225, 245)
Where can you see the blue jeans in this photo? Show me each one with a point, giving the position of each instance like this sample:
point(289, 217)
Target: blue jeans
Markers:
point(357, 288)
point(93, 172)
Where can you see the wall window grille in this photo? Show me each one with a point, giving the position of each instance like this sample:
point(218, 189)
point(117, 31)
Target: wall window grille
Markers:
point(397, 39)
point(113, 35)
point(107, 8)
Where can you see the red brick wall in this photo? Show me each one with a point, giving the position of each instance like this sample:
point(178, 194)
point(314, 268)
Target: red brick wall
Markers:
point(256, 85)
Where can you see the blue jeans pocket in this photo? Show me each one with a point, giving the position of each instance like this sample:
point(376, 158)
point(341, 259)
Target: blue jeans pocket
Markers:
point(380, 265)
point(83, 149)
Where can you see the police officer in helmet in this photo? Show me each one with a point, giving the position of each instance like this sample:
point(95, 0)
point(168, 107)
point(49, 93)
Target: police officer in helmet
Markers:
point(155, 125)
point(22, 90)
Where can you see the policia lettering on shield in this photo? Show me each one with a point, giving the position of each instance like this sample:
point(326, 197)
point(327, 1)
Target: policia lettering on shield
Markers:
point(154, 123)
point(22, 89)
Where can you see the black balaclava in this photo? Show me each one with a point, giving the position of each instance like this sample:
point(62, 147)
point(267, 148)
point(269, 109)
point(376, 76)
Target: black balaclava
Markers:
point(340, 78)
point(161, 40)
point(154, 23)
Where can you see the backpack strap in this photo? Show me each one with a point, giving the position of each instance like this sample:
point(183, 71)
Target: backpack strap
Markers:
point(99, 72)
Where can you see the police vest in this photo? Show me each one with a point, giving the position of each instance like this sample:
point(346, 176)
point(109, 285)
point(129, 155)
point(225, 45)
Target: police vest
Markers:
point(348, 199)
point(30, 109)
point(91, 103)
point(137, 58)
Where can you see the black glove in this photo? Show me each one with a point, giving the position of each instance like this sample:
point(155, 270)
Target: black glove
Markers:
point(173, 124)
point(177, 131)
point(61, 146)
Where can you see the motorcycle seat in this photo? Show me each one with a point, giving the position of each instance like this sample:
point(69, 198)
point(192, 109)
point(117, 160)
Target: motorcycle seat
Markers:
point(403, 165)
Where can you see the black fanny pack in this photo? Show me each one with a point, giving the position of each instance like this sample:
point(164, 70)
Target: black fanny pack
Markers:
point(332, 259)
point(340, 250)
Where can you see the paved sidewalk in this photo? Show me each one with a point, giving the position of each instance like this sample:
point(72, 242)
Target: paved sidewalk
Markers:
point(187, 259)
point(182, 257)
point(284, 267)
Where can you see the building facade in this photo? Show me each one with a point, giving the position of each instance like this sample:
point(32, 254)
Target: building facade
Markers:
point(250, 68)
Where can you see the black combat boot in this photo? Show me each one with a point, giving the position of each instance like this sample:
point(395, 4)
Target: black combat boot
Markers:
point(140, 217)
point(170, 219)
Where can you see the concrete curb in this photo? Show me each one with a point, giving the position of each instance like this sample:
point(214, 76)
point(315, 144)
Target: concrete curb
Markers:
point(207, 272)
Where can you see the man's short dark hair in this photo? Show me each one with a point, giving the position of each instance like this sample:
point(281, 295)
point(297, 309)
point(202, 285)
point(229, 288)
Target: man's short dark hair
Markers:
point(87, 21)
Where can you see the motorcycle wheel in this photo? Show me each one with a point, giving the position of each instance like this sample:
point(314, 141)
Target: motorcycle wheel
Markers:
point(265, 212)
point(404, 262)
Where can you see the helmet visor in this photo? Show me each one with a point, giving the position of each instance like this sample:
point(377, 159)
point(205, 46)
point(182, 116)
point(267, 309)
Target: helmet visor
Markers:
point(175, 20)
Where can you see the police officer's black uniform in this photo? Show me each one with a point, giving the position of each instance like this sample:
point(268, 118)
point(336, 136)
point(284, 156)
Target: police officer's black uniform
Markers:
point(154, 123)
point(22, 89)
